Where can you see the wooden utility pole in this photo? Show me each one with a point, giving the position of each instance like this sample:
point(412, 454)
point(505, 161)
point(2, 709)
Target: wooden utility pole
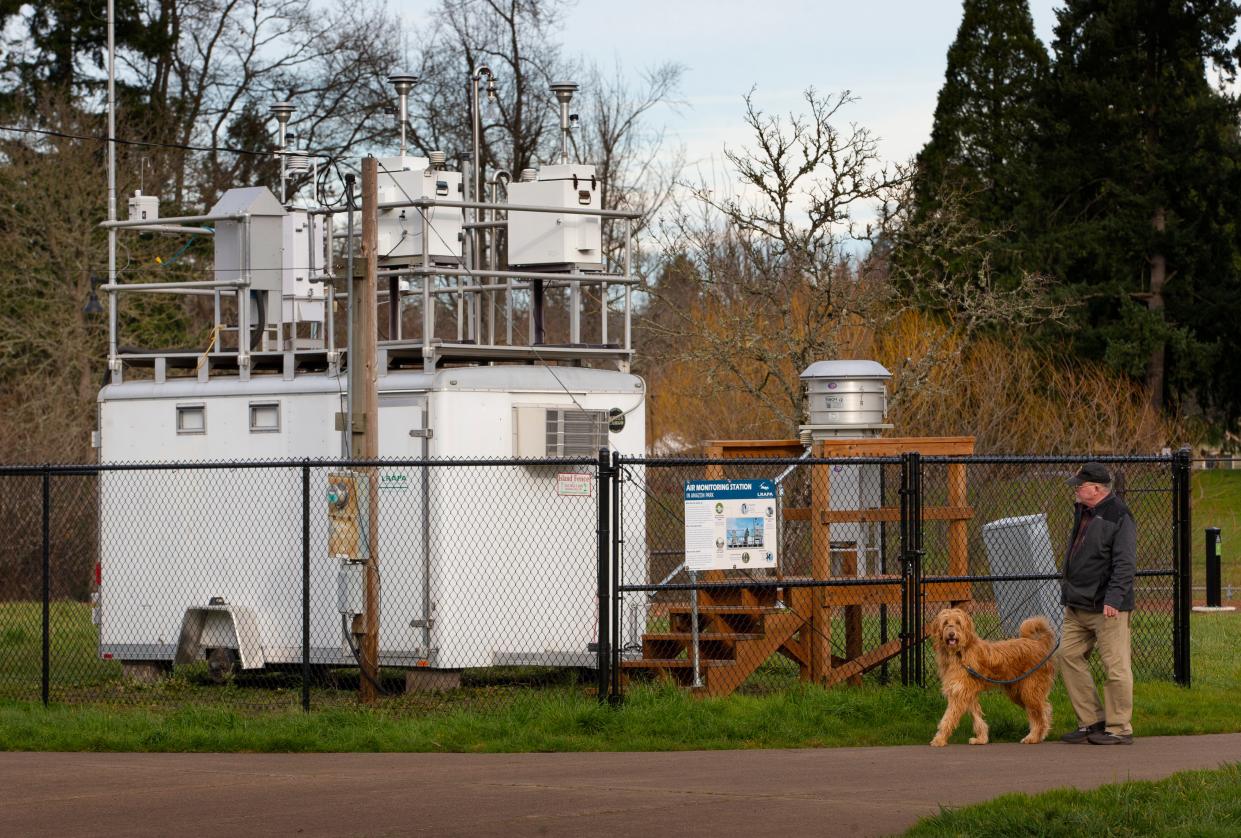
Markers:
point(363, 384)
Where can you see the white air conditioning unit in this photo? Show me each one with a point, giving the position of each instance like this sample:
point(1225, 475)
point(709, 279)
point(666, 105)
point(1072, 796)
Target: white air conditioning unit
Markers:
point(558, 432)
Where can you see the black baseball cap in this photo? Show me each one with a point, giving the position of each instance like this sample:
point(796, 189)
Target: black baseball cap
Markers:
point(1091, 473)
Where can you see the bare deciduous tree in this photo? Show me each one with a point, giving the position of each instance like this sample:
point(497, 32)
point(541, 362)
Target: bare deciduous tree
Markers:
point(799, 265)
point(781, 276)
point(228, 60)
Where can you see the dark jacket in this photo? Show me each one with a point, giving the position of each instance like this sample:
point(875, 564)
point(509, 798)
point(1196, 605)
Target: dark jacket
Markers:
point(1100, 571)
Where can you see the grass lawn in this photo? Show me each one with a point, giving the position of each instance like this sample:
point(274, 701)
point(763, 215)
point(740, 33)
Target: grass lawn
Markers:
point(1199, 803)
point(1217, 503)
point(567, 717)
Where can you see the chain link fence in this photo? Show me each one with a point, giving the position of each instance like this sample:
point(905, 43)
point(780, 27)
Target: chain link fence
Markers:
point(241, 583)
point(869, 551)
point(245, 584)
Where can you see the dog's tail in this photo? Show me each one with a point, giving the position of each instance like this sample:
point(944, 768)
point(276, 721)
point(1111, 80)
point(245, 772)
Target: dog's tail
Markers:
point(1038, 629)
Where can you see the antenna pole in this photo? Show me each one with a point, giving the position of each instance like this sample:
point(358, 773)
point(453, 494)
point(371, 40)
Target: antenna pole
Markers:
point(112, 319)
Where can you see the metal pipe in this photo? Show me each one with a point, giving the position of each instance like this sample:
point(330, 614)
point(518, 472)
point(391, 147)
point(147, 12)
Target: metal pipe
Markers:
point(473, 291)
point(476, 125)
point(170, 228)
point(693, 578)
point(475, 245)
point(329, 284)
point(347, 432)
point(243, 300)
point(575, 310)
point(501, 178)
point(425, 203)
point(215, 322)
point(628, 290)
point(173, 287)
point(428, 313)
point(112, 302)
point(162, 288)
point(612, 279)
point(178, 219)
point(426, 530)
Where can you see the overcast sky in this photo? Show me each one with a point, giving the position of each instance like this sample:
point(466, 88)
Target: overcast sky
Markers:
point(889, 53)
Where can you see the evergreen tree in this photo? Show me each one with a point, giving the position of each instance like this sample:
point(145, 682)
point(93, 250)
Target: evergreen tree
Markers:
point(54, 48)
point(985, 121)
point(1140, 182)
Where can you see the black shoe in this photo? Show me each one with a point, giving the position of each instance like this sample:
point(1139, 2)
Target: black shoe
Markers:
point(1105, 738)
point(1082, 734)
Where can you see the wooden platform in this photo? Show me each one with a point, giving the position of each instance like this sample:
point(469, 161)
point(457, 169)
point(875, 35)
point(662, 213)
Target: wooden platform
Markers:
point(741, 627)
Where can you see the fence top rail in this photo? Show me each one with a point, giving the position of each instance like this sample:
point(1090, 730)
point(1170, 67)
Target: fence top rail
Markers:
point(34, 469)
point(660, 462)
point(1052, 459)
point(190, 465)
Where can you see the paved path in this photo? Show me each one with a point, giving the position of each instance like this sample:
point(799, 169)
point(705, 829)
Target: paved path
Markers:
point(831, 791)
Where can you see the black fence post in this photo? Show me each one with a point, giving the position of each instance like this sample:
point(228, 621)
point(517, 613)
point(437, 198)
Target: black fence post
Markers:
point(906, 611)
point(45, 682)
point(1184, 567)
point(915, 515)
point(305, 587)
point(618, 539)
point(604, 593)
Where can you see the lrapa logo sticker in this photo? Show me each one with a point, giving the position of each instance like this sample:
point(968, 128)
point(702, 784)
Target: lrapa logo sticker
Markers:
point(393, 480)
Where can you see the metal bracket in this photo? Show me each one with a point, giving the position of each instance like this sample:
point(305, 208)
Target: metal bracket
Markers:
point(422, 433)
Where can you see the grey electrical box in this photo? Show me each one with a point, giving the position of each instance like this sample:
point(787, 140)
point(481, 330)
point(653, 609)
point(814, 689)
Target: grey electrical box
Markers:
point(1021, 547)
point(350, 586)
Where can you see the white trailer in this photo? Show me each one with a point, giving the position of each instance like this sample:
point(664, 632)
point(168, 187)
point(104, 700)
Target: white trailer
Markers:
point(464, 585)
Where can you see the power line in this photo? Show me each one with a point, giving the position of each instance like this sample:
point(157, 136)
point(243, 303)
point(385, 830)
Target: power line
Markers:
point(147, 144)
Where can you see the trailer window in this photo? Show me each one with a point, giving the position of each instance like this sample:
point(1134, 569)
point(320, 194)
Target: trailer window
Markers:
point(191, 419)
point(264, 417)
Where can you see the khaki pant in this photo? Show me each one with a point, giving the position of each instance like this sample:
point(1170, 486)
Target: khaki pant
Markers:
point(1083, 632)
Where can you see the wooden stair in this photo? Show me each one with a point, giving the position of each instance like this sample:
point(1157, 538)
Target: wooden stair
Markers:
point(740, 628)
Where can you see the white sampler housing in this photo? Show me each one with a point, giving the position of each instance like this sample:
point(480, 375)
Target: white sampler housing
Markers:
point(480, 565)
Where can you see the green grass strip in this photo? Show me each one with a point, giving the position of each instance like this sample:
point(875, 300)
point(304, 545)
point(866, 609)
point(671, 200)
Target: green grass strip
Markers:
point(1191, 803)
point(651, 719)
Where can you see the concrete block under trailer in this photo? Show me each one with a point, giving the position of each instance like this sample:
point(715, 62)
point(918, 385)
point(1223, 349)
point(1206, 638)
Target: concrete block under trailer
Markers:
point(199, 560)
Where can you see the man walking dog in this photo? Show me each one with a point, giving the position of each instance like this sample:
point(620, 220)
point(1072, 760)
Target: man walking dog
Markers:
point(1097, 595)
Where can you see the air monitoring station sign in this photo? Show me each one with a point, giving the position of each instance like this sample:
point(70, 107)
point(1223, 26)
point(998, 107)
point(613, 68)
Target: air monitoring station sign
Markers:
point(730, 524)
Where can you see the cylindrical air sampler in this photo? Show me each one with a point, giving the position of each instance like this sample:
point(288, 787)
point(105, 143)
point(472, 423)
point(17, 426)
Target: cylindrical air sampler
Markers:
point(564, 95)
point(282, 111)
point(403, 82)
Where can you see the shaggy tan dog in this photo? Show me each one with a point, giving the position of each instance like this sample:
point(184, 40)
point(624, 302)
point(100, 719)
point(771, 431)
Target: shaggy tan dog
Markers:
point(957, 646)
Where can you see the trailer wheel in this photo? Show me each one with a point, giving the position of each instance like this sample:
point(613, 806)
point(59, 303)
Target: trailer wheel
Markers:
point(222, 664)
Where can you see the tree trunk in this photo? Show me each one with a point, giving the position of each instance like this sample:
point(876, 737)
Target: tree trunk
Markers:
point(1159, 275)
